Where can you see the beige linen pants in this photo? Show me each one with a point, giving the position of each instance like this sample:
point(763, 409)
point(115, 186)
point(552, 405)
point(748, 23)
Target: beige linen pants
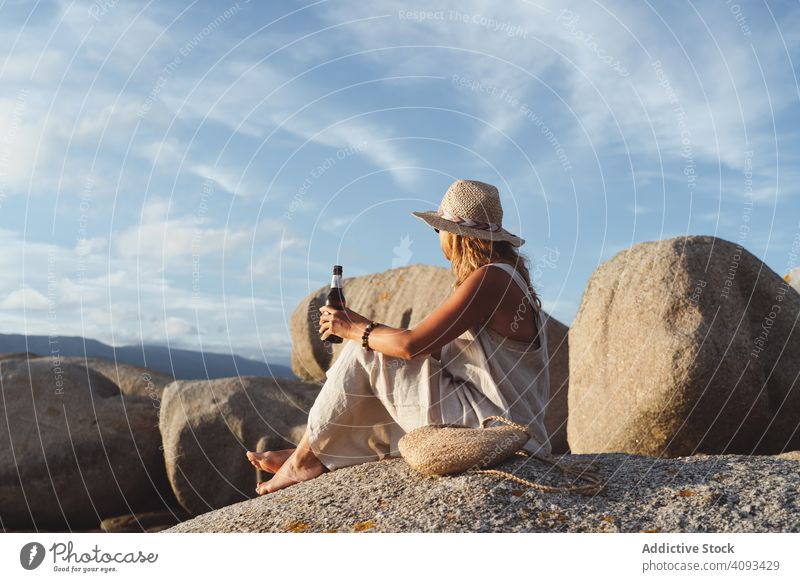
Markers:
point(368, 401)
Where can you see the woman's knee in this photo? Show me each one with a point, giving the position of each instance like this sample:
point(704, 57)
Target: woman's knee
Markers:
point(346, 353)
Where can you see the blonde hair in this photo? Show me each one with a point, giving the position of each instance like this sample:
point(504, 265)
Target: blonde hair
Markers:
point(468, 253)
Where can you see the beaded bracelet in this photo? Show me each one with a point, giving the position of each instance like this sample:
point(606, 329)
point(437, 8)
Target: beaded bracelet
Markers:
point(365, 338)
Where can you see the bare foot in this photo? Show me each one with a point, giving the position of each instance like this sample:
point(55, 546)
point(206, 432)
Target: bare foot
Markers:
point(296, 468)
point(269, 461)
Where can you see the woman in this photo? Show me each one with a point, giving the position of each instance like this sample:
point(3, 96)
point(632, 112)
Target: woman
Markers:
point(481, 352)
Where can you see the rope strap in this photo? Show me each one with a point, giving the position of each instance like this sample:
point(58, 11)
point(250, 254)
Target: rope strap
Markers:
point(587, 472)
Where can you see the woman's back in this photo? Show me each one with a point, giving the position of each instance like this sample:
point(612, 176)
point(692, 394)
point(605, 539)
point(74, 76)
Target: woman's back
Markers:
point(515, 315)
point(503, 375)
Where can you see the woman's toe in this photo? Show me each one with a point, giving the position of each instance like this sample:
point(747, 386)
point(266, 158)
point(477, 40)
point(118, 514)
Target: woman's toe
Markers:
point(255, 458)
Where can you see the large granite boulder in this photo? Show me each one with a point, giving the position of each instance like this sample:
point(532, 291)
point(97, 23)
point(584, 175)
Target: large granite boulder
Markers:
point(132, 380)
point(682, 346)
point(73, 449)
point(208, 425)
point(403, 297)
point(729, 493)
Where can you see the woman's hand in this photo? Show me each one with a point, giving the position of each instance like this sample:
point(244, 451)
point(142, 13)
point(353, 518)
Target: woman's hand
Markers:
point(345, 323)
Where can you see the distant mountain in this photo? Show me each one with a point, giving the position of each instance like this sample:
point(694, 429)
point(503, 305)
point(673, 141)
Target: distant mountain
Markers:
point(183, 364)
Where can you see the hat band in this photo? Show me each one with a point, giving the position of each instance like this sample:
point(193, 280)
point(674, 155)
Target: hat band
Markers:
point(490, 226)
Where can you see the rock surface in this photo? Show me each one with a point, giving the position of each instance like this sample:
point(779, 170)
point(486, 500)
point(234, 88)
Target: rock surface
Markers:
point(18, 355)
point(79, 450)
point(403, 297)
point(151, 521)
point(208, 425)
point(685, 345)
point(132, 380)
point(726, 493)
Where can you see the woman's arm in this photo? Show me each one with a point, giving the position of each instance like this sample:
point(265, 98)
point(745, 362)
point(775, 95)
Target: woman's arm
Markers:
point(472, 302)
point(395, 341)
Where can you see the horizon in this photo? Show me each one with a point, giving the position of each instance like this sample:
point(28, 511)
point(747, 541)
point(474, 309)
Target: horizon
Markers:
point(218, 350)
point(185, 175)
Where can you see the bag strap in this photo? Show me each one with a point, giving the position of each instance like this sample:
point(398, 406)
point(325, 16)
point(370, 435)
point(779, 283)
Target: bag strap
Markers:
point(587, 472)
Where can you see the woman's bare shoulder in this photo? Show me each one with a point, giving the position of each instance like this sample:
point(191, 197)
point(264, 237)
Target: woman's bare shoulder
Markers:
point(496, 278)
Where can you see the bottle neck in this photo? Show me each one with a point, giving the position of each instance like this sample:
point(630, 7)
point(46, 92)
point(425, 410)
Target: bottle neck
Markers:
point(336, 281)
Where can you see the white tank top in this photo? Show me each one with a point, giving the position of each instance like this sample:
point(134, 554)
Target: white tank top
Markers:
point(501, 376)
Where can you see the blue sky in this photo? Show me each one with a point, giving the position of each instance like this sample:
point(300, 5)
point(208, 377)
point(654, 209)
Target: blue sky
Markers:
point(184, 173)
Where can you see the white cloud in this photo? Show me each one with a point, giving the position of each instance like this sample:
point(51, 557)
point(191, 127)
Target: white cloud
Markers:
point(72, 293)
point(638, 209)
point(158, 237)
point(227, 179)
point(55, 147)
point(63, 110)
point(224, 96)
point(91, 245)
point(122, 36)
point(172, 155)
point(19, 128)
point(369, 140)
point(236, 94)
point(25, 299)
point(335, 224)
point(560, 70)
point(280, 251)
point(176, 326)
point(126, 300)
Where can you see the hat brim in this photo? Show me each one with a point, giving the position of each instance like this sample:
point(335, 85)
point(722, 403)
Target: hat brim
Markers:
point(433, 219)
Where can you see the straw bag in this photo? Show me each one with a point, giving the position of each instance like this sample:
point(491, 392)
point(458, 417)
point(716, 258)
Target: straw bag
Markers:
point(443, 449)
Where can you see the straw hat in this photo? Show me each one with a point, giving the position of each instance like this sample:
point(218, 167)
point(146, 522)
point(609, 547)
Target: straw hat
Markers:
point(471, 208)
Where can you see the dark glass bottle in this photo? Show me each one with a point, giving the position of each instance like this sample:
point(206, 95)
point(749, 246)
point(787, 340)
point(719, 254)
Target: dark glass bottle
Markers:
point(336, 298)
